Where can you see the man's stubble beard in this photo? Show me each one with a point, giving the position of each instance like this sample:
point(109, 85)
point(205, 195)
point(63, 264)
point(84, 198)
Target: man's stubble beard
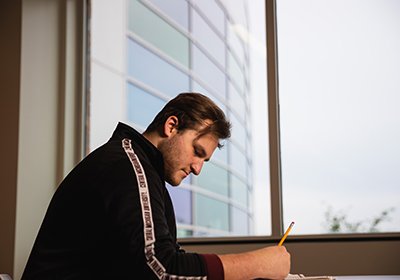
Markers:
point(168, 149)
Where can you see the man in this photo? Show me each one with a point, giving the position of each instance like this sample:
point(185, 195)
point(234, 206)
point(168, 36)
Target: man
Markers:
point(112, 217)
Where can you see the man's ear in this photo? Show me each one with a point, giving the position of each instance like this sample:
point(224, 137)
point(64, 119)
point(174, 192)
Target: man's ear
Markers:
point(171, 126)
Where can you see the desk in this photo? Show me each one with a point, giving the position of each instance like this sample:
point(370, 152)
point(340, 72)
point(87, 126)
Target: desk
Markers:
point(368, 277)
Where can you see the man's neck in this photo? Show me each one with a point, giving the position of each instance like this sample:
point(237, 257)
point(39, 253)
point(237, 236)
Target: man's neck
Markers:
point(153, 138)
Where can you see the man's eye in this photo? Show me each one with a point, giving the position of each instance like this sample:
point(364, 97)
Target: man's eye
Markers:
point(197, 152)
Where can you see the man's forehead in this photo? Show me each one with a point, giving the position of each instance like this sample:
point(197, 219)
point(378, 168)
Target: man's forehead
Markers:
point(206, 138)
point(202, 132)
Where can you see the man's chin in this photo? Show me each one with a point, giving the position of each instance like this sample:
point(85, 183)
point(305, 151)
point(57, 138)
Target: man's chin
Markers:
point(173, 182)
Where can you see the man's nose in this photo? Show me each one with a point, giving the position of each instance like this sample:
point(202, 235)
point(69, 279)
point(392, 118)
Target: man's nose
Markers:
point(197, 166)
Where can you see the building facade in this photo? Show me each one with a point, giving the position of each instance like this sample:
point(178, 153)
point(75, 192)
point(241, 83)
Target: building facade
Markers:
point(142, 55)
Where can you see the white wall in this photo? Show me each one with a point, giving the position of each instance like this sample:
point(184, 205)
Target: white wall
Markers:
point(44, 116)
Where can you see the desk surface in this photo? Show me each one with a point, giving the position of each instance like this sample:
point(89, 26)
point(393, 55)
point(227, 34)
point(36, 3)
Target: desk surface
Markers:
point(368, 277)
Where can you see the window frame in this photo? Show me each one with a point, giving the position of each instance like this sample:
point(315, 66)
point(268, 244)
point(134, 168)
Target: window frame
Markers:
point(277, 225)
point(370, 253)
point(274, 154)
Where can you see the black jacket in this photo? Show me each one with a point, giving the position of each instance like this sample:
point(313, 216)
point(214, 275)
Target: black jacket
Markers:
point(94, 226)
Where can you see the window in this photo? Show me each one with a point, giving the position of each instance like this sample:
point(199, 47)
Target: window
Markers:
point(142, 106)
point(339, 64)
point(239, 191)
point(338, 98)
point(182, 199)
point(214, 179)
point(161, 50)
point(208, 72)
point(154, 71)
point(177, 10)
point(211, 213)
point(149, 26)
point(208, 38)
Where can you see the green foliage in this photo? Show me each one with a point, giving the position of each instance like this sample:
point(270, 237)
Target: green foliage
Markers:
point(338, 222)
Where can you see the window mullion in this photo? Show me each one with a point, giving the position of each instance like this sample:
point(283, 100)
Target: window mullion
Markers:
point(273, 111)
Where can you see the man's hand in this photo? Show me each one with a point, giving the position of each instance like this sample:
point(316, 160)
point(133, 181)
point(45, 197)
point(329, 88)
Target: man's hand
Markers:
point(269, 262)
point(274, 262)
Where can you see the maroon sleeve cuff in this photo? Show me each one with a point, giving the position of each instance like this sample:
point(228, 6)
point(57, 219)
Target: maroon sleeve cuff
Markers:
point(214, 267)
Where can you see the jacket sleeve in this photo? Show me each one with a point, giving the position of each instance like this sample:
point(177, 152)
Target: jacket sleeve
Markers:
point(214, 266)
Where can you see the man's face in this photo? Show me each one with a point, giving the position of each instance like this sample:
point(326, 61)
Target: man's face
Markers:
point(184, 152)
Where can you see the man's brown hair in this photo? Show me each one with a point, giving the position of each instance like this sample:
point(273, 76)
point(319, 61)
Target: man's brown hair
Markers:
point(193, 110)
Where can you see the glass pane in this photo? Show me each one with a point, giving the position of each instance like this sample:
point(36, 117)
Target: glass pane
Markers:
point(235, 73)
point(142, 106)
point(213, 12)
point(239, 221)
point(238, 131)
point(144, 56)
point(236, 36)
point(238, 10)
point(221, 155)
point(238, 160)
point(178, 10)
point(236, 101)
point(184, 233)
point(150, 69)
point(211, 213)
point(238, 190)
point(199, 88)
point(208, 71)
point(155, 30)
point(340, 118)
point(213, 178)
point(182, 201)
point(208, 39)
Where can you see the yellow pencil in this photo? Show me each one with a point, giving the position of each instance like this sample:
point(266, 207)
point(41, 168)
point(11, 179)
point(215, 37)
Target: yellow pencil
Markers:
point(286, 234)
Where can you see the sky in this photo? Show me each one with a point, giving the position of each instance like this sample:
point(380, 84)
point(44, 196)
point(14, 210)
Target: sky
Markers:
point(339, 69)
point(339, 87)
